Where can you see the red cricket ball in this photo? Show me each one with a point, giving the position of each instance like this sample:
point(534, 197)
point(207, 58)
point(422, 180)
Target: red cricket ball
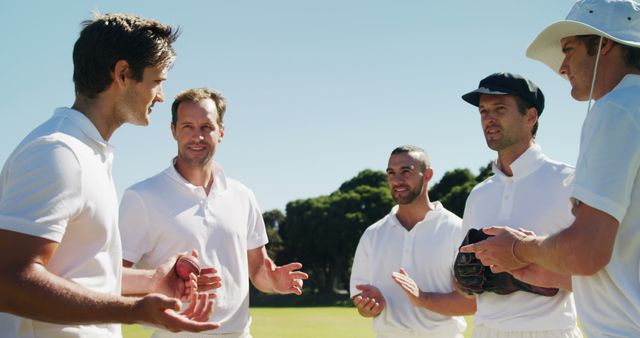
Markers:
point(186, 265)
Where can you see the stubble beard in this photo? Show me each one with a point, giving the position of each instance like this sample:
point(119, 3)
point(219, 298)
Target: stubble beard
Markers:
point(195, 162)
point(413, 194)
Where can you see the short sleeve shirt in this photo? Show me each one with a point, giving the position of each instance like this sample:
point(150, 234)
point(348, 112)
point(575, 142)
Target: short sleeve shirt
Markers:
point(607, 179)
point(57, 185)
point(166, 214)
point(535, 197)
point(427, 252)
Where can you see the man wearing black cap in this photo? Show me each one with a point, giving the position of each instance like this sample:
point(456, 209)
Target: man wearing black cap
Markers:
point(597, 48)
point(527, 189)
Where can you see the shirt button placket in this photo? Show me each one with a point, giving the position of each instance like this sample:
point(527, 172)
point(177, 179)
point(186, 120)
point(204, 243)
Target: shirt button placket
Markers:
point(407, 250)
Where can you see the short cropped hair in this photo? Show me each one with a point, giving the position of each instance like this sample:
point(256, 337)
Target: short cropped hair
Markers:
point(109, 38)
point(197, 95)
point(522, 109)
point(422, 155)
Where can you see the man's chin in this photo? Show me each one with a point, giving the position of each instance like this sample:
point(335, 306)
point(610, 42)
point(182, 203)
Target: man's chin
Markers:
point(403, 200)
point(140, 122)
point(579, 95)
point(199, 162)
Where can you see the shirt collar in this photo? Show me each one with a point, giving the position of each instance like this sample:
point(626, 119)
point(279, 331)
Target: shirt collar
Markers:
point(627, 81)
point(83, 123)
point(528, 162)
point(437, 207)
point(219, 178)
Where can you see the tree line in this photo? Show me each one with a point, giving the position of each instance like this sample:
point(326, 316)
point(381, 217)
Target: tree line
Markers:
point(323, 232)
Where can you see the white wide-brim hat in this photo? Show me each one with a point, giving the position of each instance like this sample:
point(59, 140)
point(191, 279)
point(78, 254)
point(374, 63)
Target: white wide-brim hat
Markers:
point(618, 20)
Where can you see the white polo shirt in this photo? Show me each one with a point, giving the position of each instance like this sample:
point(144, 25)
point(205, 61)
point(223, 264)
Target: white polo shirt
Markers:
point(535, 198)
point(607, 179)
point(57, 185)
point(427, 253)
point(166, 214)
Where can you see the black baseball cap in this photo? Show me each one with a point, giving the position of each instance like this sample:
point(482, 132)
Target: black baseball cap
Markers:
point(507, 84)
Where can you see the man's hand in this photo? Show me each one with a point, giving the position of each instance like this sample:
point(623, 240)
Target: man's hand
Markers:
point(161, 311)
point(534, 274)
point(284, 279)
point(167, 282)
point(209, 279)
point(497, 251)
point(370, 301)
point(409, 286)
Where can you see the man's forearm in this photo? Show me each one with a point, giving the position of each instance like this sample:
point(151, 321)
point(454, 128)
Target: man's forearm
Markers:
point(137, 281)
point(449, 304)
point(258, 270)
point(261, 281)
point(38, 294)
point(581, 249)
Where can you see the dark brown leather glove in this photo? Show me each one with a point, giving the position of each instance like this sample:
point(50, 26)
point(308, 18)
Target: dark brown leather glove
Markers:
point(474, 277)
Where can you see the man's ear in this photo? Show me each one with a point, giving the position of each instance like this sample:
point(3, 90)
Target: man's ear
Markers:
point(173, 131)
point(121, 71)
point(532, 115)
point(607, 45)
point(428, 175)
point(221, 133)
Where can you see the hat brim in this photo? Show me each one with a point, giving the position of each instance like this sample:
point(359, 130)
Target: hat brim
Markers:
point(473, 97)
point(546, 47)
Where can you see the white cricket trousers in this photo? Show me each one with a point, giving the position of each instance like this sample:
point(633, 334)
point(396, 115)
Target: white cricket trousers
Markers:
point(417, 335)
point(166, 334)
point(481, 331)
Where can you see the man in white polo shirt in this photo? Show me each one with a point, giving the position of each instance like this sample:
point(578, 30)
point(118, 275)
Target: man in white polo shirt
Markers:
point(418, 238)
point(597, 48)
point(194, 204)
point(527, 189)
point(60, 250)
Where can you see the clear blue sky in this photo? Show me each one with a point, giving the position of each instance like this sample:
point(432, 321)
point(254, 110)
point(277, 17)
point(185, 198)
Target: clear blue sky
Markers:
point(317, 90)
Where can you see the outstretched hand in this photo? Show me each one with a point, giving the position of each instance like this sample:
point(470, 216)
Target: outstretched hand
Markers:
point(161, 311)
point(370, 301)
point(285, 279)
point(408, 285)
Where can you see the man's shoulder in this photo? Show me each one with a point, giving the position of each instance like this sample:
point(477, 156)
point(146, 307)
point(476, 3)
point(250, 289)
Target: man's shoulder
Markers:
point(52, 134)
point(151, 185)
point(43, 149)
point(558, 170)
point(479, 188)
point(625, 93)
point(378, 225)
point(619, 107)
point(449, 218)
point(236, 185)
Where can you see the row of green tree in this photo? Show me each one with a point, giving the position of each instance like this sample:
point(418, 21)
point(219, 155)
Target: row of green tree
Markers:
point(323, 232)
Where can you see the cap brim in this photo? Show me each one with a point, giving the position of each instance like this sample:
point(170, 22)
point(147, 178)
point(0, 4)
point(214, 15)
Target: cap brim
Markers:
point(473, 97)
point(546, 47)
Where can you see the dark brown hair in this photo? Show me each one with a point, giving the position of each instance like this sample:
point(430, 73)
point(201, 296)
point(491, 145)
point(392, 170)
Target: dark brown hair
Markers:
point(110, 38)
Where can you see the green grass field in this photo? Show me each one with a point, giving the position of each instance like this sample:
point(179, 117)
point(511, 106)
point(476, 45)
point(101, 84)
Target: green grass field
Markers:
point(308, 322)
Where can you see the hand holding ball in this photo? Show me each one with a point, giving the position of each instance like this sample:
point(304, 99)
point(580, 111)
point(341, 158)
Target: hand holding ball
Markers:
point(185, 265)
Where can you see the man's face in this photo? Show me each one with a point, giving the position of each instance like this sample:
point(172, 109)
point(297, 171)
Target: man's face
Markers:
point(140, 96)
point(577, 66)
point(406, 178)
point(503, 125)
point(197, 132)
